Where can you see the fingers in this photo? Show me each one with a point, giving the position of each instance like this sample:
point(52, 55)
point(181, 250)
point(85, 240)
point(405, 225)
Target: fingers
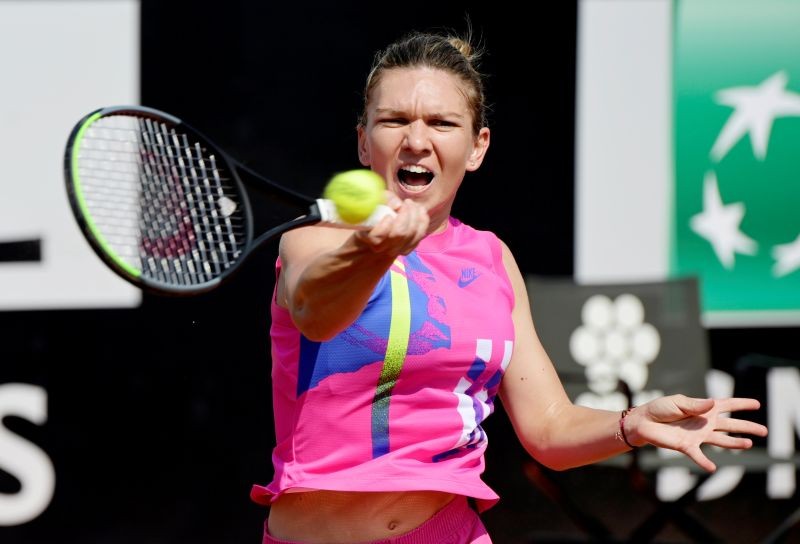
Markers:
point(737, 404)
point(721, 438)
point(676, 408)
point(692, 406)
point(741, 426)
point(398, 235)
point(695, 407)
point(730, 442)
point(695, 454)
point(691, 422)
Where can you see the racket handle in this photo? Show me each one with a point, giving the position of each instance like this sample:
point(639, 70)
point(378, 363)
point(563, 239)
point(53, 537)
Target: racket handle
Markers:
point(330, 218)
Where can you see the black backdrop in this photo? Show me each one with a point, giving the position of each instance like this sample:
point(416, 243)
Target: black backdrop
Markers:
point(281, 86)
point(160, 417)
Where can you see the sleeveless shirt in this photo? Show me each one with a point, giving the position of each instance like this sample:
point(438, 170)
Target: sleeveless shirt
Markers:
point(395, 401)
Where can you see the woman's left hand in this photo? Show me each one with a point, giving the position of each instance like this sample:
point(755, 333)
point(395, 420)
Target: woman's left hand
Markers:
point(683, 424)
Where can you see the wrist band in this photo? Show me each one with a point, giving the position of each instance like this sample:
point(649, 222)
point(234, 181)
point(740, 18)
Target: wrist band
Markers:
point(621, 431)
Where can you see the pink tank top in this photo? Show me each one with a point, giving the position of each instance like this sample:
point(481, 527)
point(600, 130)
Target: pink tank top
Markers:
point(395, 402)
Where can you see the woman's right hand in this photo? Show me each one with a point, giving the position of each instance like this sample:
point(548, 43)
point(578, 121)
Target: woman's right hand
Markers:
point(329, 274)
point(397, 235)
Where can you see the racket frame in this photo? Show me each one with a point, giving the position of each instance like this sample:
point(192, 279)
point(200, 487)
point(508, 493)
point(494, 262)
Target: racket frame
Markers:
point(129, 272)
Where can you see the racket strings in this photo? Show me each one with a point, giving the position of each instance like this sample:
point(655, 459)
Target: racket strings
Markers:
point(120, 174)
point(161, 203)
point(205, 243)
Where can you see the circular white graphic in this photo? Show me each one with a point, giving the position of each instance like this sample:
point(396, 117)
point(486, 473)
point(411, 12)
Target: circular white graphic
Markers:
point(614, 343)
point(598, 312)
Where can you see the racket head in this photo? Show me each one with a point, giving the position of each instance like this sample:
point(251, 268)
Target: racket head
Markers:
point(158, 202)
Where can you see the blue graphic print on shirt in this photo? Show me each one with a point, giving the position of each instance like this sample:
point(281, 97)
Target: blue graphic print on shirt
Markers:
point(364, 342)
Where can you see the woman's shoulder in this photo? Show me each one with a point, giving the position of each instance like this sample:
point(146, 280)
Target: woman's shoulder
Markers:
point(465, 232)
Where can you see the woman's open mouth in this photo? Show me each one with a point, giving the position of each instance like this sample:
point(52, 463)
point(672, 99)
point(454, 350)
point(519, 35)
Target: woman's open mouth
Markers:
point(414, 178)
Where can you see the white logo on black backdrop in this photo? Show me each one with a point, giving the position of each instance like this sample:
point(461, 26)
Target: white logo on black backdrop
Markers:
point(22, 459)
point(614, 343)
point(44, 261)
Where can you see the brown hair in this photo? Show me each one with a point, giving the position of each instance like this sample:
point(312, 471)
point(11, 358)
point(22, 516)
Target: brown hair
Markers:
point(449, 53)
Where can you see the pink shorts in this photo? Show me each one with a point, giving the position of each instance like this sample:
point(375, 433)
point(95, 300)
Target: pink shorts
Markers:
point(456, 523)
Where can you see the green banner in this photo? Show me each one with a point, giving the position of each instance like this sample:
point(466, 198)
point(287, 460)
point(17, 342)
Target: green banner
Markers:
point(736, 209)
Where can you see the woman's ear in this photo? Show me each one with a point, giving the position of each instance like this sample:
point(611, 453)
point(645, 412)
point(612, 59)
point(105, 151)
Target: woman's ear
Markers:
point(363, 146)
point(479, 148)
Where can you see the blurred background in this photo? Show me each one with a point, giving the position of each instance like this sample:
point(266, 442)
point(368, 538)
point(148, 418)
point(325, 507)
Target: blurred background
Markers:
point(633, 143)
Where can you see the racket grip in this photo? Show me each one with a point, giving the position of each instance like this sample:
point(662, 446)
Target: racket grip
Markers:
point(330, 217)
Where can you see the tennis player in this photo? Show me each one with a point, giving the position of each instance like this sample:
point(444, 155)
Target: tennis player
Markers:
point(390, 346)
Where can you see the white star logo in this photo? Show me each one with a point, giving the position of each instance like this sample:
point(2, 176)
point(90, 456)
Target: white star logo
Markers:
point(755, 109)
point(719, 224)
point(787, 257)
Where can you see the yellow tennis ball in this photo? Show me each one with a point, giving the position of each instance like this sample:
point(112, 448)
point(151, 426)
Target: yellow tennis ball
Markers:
point(356, 194)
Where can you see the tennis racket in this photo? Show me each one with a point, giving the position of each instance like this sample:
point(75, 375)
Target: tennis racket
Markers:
point(168, 210)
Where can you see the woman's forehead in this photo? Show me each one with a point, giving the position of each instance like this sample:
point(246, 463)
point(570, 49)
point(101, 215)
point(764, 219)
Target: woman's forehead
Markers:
point(401, 88)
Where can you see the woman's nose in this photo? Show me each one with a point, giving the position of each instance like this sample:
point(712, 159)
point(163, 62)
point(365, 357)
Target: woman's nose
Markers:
point(417, 139)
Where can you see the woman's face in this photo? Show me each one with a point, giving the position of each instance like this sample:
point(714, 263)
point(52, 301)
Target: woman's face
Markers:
point(419, 137)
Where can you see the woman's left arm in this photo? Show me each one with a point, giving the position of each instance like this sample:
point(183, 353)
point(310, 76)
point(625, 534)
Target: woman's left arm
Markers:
point(562, 435)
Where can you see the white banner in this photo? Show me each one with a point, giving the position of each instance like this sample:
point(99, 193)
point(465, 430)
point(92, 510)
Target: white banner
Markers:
point(60, 60)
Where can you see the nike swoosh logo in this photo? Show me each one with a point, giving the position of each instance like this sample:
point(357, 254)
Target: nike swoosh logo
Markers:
point(468, 275)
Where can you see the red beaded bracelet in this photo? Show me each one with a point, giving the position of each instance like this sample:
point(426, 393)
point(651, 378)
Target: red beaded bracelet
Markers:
point(621, 431)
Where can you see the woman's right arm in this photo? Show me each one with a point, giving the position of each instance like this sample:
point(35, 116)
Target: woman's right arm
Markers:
point(329, 274)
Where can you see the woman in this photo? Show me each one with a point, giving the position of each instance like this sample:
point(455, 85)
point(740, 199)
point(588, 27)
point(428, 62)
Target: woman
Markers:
point(389, 346)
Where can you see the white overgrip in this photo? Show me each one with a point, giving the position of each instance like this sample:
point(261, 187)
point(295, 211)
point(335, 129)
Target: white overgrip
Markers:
point(330, 217)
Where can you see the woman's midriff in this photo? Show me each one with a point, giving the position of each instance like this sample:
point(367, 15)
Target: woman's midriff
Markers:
point(340, 517)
